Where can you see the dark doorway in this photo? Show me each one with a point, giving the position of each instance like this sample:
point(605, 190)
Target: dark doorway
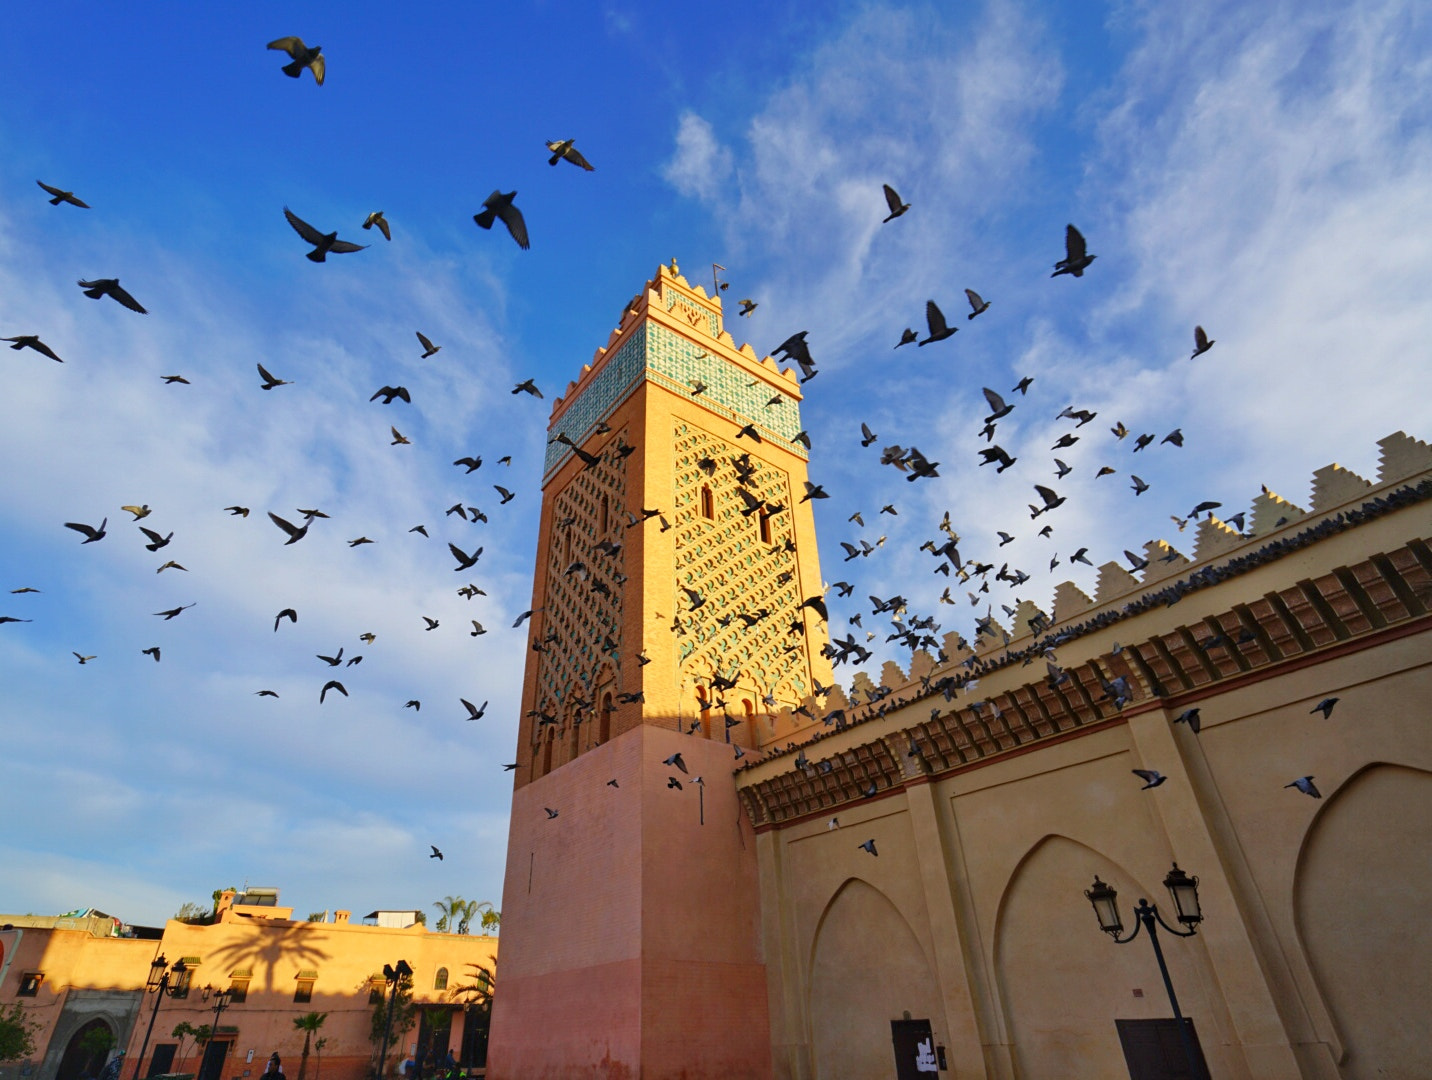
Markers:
point(1154, 1051)
point(86, 1052)
point(163, 1059)
point(914, 1049)
point(434, 1034)
point(215, 1051)
point(475, 1024)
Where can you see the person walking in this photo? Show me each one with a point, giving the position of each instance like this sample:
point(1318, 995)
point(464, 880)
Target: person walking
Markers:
point(274, 1069)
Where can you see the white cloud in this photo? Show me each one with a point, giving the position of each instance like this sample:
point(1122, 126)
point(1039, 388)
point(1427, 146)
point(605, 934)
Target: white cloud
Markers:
point(701, 165)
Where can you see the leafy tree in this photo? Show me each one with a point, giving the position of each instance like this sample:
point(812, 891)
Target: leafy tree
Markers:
point(97, 1041)
point(192, 913)
point(180, 1032)
point(421, 918)
point(491, 917)
point(441, 926)
point(17, 1034)
point(201, 1034)
point(308, 1023)
point(318, 916)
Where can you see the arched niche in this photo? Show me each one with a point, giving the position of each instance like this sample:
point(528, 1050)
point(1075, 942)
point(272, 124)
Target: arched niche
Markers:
point(1360, 896)
point(867, 968)
point(1063, 982)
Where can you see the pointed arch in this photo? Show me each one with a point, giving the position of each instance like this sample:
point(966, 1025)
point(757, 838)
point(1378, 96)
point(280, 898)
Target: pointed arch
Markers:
point(1354, 891)
point(1062, 983)
point(867, 967)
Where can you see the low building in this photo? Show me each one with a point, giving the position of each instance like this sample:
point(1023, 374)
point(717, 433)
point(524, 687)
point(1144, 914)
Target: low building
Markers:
point(248, 973)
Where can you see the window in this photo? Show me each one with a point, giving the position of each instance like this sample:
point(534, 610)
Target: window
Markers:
point(376, 987)
point(547, 755)
point(484, 980)
point(764, 524)
point(440, 979)
point(30, 983)
point(708, 503)
point(606, 511)
point(303, 992)
point(238, 991)
point(604, 727)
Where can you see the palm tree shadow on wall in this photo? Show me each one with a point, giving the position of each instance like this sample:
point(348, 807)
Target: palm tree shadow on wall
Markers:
point(293, 944)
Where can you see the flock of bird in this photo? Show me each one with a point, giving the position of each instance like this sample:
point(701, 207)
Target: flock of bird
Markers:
point(909, 629)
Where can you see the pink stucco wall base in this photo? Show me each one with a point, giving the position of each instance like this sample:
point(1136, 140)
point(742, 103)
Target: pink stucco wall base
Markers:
point(630, 930)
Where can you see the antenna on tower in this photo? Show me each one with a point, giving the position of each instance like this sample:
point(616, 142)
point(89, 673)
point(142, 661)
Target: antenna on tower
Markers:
point(716, 285)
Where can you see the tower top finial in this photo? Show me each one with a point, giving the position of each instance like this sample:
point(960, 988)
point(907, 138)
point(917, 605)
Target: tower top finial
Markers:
point(674, 268)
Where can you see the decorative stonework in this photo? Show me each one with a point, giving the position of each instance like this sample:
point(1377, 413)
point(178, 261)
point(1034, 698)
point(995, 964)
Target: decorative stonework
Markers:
point(725, 560)
point(598, 400)
point(582, 608)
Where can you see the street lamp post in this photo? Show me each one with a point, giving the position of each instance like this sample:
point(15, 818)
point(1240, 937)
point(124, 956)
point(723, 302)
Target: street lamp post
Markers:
point(1183, 890)
point(221, 1002)
point(393, 975)
point(158, 985)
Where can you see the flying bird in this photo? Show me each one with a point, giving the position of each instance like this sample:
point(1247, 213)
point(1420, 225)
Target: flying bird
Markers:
point(507, 496)
point(173, 612)
point(388, 393)
point(527, 386)
point(892, 200)
point(869, 846)
point(295, 534)
point(1139, 486)
point(1201, 342)
point(399, 439)
point(414, 704)
point(170, 380)
point(998, 408)
point(472, 464)
point(377, 218)
point(139, 512)
point(152, 651)
point(303, 57)
point(1189, 717)
point(1306, 786)
point(63, 196)
point(331, 684)
point(906, 336)
point(464, 561)
point(110, 287)
point(747, 306)
point(265, 693)
point(432, 623)
point(438, 855)
point(1076, 257)
point(1325, 707)
point(155, 540)
point(978, 305)
point(473, 711)
point(91, 533)
point(287, 613)
point(675, 762)
point(237, 511)
point(429, 348)
point(1151, 777)
point(935, 320)
point(563, 148)
point(83, 659)
point(269, 382)
point(11, 618)
point(550, 812)
point(32, 341)
point(497, 205)
point(323, 243)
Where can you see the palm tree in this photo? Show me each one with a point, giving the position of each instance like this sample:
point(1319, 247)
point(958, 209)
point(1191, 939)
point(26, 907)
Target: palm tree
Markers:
point(452, 908)
point(465, 914)
point(308, 1023)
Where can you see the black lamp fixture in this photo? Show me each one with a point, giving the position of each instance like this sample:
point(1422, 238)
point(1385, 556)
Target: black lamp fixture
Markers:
point(1183, 891)
point(164, 979)
point(394, 975)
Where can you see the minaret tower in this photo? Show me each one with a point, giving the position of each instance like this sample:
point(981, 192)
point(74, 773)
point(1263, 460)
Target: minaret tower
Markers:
point(631, 935)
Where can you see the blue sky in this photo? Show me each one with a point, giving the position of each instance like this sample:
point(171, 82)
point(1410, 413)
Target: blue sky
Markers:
point(1260, 169)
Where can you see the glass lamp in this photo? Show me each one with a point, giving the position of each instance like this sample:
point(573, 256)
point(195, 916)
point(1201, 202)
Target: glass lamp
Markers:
point(1184, 891)
point(1106, 907)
